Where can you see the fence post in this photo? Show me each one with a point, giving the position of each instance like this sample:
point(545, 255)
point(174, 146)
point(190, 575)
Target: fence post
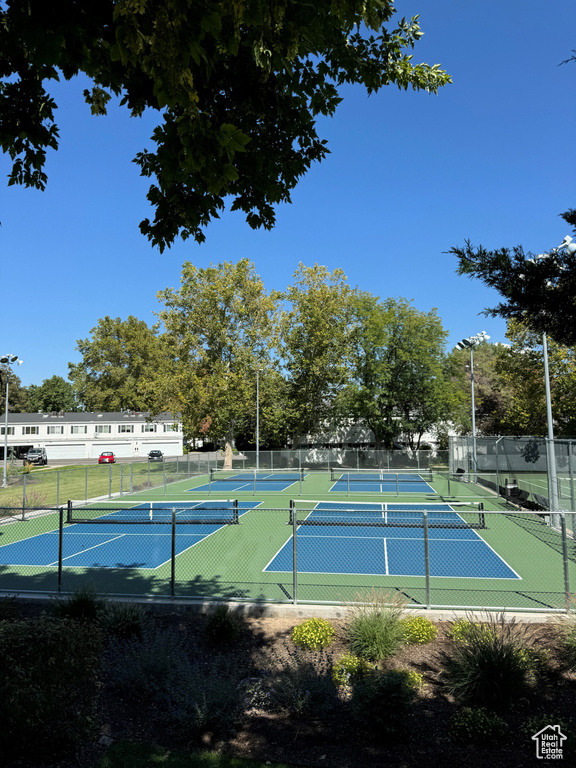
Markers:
point(60, 545)
point(23, 497)
point(86, 486)
point(57, 487)
point(110, 481)
point(121, 478)
point(427, 559)
point(294, 555)
point(565, 559)
point(131, 477)
point(173, 556)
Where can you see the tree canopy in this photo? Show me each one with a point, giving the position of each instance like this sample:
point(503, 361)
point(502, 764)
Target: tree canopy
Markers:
point(54, 394)
point(117, 363)
point(539, 292)
point(237, 85)
point(397, 383)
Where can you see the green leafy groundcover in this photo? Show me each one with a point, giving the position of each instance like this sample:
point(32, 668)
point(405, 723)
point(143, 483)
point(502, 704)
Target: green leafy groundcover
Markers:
point(129, 755)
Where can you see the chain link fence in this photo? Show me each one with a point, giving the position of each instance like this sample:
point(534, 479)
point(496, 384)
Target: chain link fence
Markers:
point(435, 555)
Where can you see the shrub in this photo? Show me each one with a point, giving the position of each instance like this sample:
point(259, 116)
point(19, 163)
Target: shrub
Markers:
point(375, 629)
point(157, 669)
point(476, 725)
point(349, 668)
point(567, 638)
point(413, 679)
point(144, 668)
point(313, 634)
point(419, 630)
point(122, 620)
point(223, 627)
point(48, 676)
point(82, 605)
point(492, 667)
point(382, 704)
point(460, 630)
point(301, 685)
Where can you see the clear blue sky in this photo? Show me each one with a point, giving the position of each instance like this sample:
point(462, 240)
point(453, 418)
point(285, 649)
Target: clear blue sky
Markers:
point(491, 158)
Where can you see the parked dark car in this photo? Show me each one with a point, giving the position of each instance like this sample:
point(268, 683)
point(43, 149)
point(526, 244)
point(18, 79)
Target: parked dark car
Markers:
point(155, 456)
point(107, 458)
point(36, 456)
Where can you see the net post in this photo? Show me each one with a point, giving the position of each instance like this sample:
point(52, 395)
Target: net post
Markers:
point(173, 555)
point(69, 511)
point(426, 558)
point(294, 554)
point(235, 512)
point(565, 560)
point(60, 545)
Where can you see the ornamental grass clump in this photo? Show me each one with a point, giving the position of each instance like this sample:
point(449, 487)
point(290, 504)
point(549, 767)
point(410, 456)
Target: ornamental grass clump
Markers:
point(382, 704)
point(495, 665)
point(418, 630)
point(313, 634)
point(375, 629)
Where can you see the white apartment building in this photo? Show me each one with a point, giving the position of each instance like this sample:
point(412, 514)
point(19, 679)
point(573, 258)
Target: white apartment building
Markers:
point(87, 435)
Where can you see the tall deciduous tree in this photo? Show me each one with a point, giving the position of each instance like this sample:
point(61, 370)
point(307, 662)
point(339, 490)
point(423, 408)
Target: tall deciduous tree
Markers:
point(54, 394)
point(522, 367)
point(492, 393)
point(237, 87)
point(117, 363)
point(17, 394)
point(221, 322)
point(315, 345)
point(398, 387)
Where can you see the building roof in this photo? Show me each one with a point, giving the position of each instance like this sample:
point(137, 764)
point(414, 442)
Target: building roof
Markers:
point(86, 417)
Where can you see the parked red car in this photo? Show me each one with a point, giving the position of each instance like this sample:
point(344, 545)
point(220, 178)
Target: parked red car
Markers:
point(107, 458)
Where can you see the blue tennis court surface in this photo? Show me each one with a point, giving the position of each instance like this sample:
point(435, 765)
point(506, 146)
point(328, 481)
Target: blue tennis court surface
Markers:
point(350, 541)
point(251, 481)
point(112, 545)
point(381, 482)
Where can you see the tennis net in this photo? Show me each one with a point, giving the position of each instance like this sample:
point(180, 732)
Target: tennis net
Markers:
point(222, 512)
point(380, 475)
point(388, 514)
point(255, 475)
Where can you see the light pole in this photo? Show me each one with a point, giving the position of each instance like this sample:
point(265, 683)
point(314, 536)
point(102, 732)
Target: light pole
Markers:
point(257, 419)
point(470, 343)
point(7, 360)
point(569, 247)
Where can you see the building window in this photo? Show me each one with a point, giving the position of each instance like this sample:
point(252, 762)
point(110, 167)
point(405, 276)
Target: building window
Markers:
point(30, 430)
point(103, 429)
point(3, 431)
point(79, 429)
point(148, 427)
point(125, 427)
point(55, 430)
point(170, 427)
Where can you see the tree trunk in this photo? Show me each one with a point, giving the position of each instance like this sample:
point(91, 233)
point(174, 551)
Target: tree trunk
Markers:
point(228, 454)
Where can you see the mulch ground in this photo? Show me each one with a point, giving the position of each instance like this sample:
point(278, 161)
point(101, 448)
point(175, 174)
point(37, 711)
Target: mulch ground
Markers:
point(334, 741)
